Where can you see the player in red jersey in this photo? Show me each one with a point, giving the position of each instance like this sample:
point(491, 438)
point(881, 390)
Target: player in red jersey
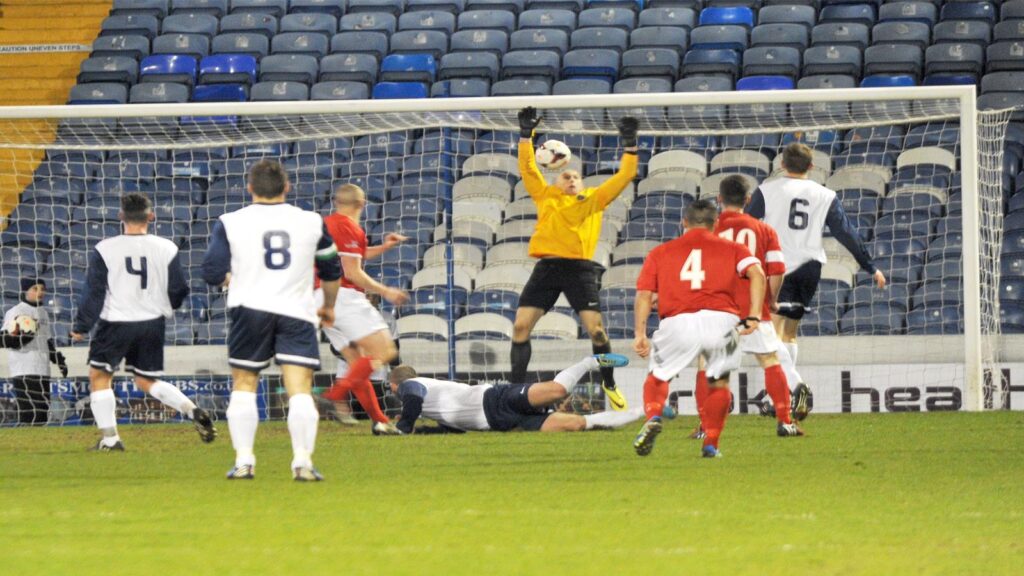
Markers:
point(357, 322)
point(696, 277)
point(763, 243)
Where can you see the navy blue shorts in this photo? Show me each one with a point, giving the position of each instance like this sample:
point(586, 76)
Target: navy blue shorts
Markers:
point(798, 290)
point(507, 406)
point(139, 344)
point(257, 337)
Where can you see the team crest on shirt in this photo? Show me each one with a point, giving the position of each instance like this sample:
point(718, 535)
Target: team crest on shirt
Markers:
point(581, 197)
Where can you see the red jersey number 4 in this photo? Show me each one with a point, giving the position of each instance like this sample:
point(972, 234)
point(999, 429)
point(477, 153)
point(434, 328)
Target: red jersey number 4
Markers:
point(692, 271)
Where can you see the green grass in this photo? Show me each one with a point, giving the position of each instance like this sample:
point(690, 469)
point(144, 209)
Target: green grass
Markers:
point(862, 494)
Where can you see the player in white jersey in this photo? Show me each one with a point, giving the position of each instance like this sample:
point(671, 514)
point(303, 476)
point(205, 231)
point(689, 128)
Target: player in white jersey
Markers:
point(265, 254)
point(799, 209)
point(134, 282)
point(460, 407)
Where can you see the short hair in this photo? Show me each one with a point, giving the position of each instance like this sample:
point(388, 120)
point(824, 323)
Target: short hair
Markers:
point(401, 373)
point(267, 179)
point(135, 208)
point(796, 158)
point(347, 193)
point(701, 213)
point(733, 191)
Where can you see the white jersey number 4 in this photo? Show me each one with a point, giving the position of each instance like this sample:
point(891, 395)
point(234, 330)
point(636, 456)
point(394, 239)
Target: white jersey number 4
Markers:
point(692, 271)
point(745, 236)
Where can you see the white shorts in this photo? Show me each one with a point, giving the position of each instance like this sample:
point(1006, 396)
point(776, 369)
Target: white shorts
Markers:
point(354, 318)
point(680, 339)
point(764, 340)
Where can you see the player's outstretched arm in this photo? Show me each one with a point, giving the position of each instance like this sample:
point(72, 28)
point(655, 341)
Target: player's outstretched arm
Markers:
point(642, 306)
point(843, 231)
point(354, 273)
point(390, 241)
point(533, 180)
point(610, 189)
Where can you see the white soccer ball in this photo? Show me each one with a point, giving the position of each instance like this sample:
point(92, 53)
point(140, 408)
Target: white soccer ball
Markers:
point(22, 325)
point(553, 155)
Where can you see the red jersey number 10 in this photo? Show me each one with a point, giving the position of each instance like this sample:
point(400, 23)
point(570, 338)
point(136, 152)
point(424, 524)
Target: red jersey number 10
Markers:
point(744, 236)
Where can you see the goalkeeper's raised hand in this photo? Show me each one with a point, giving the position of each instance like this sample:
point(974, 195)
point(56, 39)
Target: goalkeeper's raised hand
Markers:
point(627, 131)
point(528, 121)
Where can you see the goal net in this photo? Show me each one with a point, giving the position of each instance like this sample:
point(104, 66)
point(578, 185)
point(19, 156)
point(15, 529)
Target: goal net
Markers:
point(923, 176)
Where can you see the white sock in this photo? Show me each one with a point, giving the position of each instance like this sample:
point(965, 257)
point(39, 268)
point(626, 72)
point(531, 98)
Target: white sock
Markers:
point(302, 422)
point(571, 375)
point(170, 395)
point(787, 357)
point(103, 404)
point(610, 419)
point(243, 418)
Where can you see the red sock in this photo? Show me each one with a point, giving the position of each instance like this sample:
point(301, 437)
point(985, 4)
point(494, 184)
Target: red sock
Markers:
point(368, 399)
point(716, 408)
point(655, 394)
point(778, 389)
point(700, 393)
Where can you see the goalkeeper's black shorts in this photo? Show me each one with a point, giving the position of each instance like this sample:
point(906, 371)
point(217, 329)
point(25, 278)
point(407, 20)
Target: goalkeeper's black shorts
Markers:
point(579, 280)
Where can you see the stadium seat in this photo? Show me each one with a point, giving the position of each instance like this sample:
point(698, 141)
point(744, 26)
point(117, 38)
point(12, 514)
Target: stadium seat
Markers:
point(155, 8)
point(451, 6)
point(543, 20)
point(368, 22)
point(851, 13)
point(719, 37)
point(787, 14)
point(955, 59)
point(431, 42)
point(493, 41)
point(339, 91)
point(887, 81)
point(658, 230)
point(279, 91)
point(389, 6)
point(168, 68)
point(276, 8)
point(349, 67)
point(486, 326)
point(771, 61)
point(712, 62)
point(765, 83)
point(249, 23)
point(1009, 30)
point(537, 39)
point(737, 15)
point(460, 88)
point(923, 12)
point(530, 63)
point(158, 92)
point(136, 47)
point(469, 65)
point(573, 5)
point(215, 8)
point(1005, 56)
point(121, 69)
point(428, 20)
point(658, 62)
point(670, 37)
point(255, 45)
point(389, 90)
point(675, 17)
point(788, 35)
point(227, 69)
point(599, 62)
point(605, 17)
point(408, 68)
point(893, 59)
point(130, 25)
point(353, 41)
point(521, 87)
point(488, 19)
point(291, 68)
point(944, 320)
point(832, 59)
point(983, 11)
point(581, 86)
point(879, 319)
point(615, 38)
point(220, 93)
point(963, 31)
point(195, 45)
point(908, 32)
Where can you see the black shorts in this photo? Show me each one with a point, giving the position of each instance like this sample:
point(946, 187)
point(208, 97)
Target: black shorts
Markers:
point(798, 289)
point(579, 280)
point(139, 344)
point(507, 406)
point(256, 337)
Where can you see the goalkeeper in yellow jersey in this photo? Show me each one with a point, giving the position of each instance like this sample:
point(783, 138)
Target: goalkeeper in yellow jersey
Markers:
point(568, 227)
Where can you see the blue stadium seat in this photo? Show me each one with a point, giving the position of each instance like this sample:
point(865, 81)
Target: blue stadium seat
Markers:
point(121, 69)
point(600, 62)
point(904, 32)
point(650, 229)
point(170, 68)
point(130, 25)
point(923, 12)
point(938, 293)
point(659, 62)
point(195, 45)
point(390, 90)
point(227, 69)
point(460, 88)
point(98, 93)
point(255, 45)
point(983, 11)
point(912, 248)
point(408, 68)
point(155, 8)
point(332, 7)
point(531, 63)
point(1005, 56)
point(489, 19)
point(873, 319)
point(262, 24)
point(220, 93)
point(430, 42)
point(853, 13)
point(29, 234)
point(349, 68)
point(896, 296)
point(135, 47)
point(278, 91)
point(605, 17)
point(538, 39)
point(668, 16)
point(894, 59)
point(945, 320)
point(373, 42)
point(887, 81)
point(676, 39)
point(369, 21)
point(502, 302)
point(428, 20)
point(719, 37)
point(771, 61)
point(765, 83)
point(563, 20)
point(615, 38)
point(739, 15)
point(788, 14)
point(434, 300)
point(216, 8)
point(618, 298)
point(214, 333)
point(299, 43)
point(658, 205)
point(469, 65)
point(789, 35)
point(904, 224)
point(711, 62)
point(1011, 319)
point(581, 86)
point(275, 8)
point(493, 41)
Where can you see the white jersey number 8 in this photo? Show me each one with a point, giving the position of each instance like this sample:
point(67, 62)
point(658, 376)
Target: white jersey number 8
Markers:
point(745, 236)
point(692, 271)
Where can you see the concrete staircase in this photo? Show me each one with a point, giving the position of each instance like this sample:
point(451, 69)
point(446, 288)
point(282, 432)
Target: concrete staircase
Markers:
point(39, 78)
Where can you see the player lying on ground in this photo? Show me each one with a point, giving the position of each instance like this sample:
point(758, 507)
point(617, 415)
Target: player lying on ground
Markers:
point(696, 277)
point(799, 209)
point(568, 228)
point(460, 407)
point(134, 281)
point(763, 243)
point(356, 321)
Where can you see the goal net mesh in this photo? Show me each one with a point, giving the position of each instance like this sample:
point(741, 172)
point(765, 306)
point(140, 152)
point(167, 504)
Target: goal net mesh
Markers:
point(450, 182)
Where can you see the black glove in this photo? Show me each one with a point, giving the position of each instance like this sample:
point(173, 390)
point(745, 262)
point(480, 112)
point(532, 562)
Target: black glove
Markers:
point(627, 132)
point(528, 120)
point(62, 363)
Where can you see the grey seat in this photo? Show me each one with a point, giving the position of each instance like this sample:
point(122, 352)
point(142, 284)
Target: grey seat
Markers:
point(154, 8)
point(668, 16)
point(660, 37)
point(495, 19)
point(461, 88)
point(265, 24)
point(339, 91)
point(1009, 30)
point(973, 31)
point(191, 23)
point(299, 43)
point(851, 33)
point(514, 6)
point(493, 41)
point(521, 87)
point(256, 45)
point(1005, 56)
point(431, 42)
point(98, 93)
point(279, 91)
point(275, 8)
point(540, 39)
point(131, 46)
point(581, 86)
point(915, 33)
point(826, 81)
point(130, 25)
point(364, 21)
point(357, 67)
point(893, 59)
point(158, 93)
point(469, 65)
point(719, 38)
point(966, 58)
point(615, 38)
point(607, 17)
point(564, 20)
point(711, 113)
point(771, 61)
point(924, 12)
point(792, 35)
point(1003, 82)
point(530, 63)
point(332, 7)
point(195, 45)
point(832, 59)
point(109, 69)
point(309, 23)
point(661, 62)
point(373, 42)
point(787, 14)
point(290, 68)
point(216, 8)
point(427, 20)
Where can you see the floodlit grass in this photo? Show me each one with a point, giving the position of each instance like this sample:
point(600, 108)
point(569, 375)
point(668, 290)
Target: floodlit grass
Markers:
point(861, 494)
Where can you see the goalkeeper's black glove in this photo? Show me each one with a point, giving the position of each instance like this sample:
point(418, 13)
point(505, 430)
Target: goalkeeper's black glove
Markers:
point(528, 120)
point(62, 364)
point(627, 132)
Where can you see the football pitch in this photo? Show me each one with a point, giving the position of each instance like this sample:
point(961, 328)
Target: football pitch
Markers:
point(861, 494)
